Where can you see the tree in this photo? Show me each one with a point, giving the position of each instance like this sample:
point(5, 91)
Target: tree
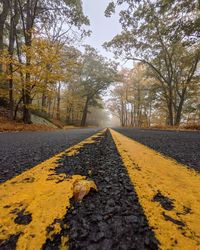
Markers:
point(133, 98)
point(23, 18)
point(28, 13)
point(170, 49)
point(96, 76)
point(3, 15)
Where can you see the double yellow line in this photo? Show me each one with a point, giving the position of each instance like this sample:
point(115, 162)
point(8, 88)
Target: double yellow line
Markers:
point(168, 192)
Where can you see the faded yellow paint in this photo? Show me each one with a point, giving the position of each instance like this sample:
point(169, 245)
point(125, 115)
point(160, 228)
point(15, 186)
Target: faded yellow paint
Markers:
point(42, 193)
point(151, 172)
point(64, 243)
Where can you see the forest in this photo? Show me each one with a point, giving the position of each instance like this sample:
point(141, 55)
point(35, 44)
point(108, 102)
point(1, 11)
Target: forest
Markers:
point(44, 72)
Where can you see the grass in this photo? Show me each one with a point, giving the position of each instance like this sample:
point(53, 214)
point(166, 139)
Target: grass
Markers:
point(7, 125)
point(16, 126)
point(189, 126)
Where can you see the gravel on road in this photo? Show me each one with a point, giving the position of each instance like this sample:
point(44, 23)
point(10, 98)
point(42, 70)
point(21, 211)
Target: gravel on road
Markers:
point(111, 218)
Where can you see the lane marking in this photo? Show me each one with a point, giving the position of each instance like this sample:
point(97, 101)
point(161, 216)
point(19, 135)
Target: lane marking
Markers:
point(168, 192)
point(32, 203)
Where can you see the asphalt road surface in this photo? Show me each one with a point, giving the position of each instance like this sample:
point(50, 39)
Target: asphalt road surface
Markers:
point(183, 146)
point(111, 218)
point(138, 204)
point(23, 150)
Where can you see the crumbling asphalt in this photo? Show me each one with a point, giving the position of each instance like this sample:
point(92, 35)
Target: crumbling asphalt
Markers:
point(112, 217)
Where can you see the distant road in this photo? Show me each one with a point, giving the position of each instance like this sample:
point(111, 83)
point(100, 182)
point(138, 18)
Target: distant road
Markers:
point(23, 150)
point(183, 146)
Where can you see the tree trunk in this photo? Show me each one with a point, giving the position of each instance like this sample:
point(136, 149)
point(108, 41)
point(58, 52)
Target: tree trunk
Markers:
point(53, 108)
point(27, 90)
point(26, 109)
point(132, 115)
point(17, 107)
point(170, 117)
point(127, 118)
point(11, 100)
point(122, 113)
point(85, 111)
point(28, 43)
point(180, 107)
point(58, 102)
point(68, 115)
point(149, 115)
point(13, 22)
point(49, 107)
point(44, 100)
point(138, 106)
point(170, 107)
point(3, 17)
point(27, 19)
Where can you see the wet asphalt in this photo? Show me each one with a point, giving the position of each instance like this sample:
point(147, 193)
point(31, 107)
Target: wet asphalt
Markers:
point(22, 150)
point(183, 146)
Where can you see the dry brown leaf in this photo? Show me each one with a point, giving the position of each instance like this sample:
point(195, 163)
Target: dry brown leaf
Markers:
point(81, 188)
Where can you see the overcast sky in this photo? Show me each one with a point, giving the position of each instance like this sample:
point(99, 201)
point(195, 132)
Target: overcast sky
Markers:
point(103, 28)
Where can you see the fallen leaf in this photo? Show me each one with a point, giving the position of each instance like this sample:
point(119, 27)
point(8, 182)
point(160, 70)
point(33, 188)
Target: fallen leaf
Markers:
point(81, 188)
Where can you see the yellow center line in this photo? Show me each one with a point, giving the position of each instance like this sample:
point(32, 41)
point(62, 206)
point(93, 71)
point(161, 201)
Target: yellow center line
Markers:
point(42, 194)
point(152, 175)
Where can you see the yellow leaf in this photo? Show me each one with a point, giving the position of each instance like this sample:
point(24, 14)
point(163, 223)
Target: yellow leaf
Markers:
point(81, 188)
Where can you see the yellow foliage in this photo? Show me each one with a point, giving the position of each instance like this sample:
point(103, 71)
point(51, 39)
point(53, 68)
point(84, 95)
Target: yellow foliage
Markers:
point(49, 64)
